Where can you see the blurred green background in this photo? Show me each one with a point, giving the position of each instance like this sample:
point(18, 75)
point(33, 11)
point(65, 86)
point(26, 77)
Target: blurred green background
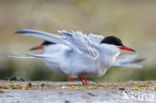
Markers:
point(134, 21)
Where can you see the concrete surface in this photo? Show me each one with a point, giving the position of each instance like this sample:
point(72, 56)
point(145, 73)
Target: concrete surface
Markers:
point(62, 92)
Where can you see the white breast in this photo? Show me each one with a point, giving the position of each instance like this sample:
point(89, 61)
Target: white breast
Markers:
point(108, 55)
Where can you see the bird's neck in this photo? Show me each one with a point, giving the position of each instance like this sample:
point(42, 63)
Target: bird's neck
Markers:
point(109, 53)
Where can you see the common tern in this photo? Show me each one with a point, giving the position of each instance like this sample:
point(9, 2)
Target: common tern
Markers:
point(82, 55)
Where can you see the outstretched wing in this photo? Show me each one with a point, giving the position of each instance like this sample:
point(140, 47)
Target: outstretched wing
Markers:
point(75, 40)
point(82, 43)
point(128, 61)
point(42, 35)
point(95, 38)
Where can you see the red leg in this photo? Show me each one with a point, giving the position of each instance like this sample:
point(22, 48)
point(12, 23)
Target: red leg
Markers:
point(70, 79)
point(81, 80)
point(85, 80)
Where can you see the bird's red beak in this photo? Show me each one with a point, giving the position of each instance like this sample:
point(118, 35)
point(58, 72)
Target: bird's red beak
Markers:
point(126, 48)
point(36, 48)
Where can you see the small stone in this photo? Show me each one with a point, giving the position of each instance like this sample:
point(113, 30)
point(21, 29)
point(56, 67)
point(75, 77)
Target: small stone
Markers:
point(64, 87)
point(91, 94)
point(29, 85)
point(66, 101)
point(43, 84)
point(121, 88)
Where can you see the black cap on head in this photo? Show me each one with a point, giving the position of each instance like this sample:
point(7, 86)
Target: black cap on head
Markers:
point(47, 43)
point(112, 40)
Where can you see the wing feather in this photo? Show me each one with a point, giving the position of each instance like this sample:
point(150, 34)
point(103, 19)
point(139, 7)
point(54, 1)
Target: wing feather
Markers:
point(75, 40)
point(128, 61)
point(95, 38)
point(82, 43)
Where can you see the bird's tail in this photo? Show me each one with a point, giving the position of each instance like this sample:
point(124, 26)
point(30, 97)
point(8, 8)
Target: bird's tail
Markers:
point(130, 61)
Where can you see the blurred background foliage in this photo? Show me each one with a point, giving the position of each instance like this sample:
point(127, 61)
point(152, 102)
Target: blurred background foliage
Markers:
point(134, 21)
